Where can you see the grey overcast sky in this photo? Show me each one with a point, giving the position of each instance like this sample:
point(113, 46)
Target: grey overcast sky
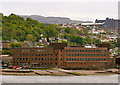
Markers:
point(73, 9)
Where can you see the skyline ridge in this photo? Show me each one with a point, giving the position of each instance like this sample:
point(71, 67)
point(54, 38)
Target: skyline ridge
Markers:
point(74, 10)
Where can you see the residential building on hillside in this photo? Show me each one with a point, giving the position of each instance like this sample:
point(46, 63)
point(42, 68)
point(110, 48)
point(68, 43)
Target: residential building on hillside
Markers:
point(29, 44)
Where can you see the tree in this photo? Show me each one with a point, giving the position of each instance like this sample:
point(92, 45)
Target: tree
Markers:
point(62, 41)
point(96, 41)
point(77, 39)
point(50, 32)
point(30, 37)
point(15, 44)
point(88, 40)
point(67, 30)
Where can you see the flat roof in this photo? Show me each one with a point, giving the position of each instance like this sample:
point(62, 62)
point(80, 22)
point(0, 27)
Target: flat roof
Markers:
point(31, 47)
point(5, 55)
point(86, 47)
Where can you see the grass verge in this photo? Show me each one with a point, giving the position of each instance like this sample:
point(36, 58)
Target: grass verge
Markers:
point(40, 68)
point(77, 74)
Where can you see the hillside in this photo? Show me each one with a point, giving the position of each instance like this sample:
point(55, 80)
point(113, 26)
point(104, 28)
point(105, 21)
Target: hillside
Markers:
point(52, 20)
point(17, 28)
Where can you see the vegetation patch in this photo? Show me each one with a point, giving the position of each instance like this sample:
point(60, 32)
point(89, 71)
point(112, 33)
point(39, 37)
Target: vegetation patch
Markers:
point(40, 68)
point(77, 74)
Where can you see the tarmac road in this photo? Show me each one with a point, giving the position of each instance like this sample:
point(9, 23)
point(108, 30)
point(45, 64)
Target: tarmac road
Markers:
point(60, 79)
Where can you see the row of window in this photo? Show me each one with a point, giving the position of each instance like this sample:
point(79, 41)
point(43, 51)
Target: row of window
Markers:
point(46, 50)
point(95, 62)
point(61, 55)
point(33, 50)
point(85, 50)
point(86, 54)
point(36, 54)
point(35, 58)
point(86, 59)
point(73, 64)
point(44, 63)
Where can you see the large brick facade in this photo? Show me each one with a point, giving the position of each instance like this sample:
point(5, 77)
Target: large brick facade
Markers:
point(61, 56)
point(80, 57)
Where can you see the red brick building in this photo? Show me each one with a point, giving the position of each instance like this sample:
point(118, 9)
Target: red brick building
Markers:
point(6, 44)
point(60, 55)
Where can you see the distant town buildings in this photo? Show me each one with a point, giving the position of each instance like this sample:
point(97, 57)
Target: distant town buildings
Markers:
point(112, 24)
point(95, 31)
point(91, 25)
point(108, 24)
point(72, 25)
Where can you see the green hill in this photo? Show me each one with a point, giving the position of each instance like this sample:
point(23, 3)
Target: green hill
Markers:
point(16, 27)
